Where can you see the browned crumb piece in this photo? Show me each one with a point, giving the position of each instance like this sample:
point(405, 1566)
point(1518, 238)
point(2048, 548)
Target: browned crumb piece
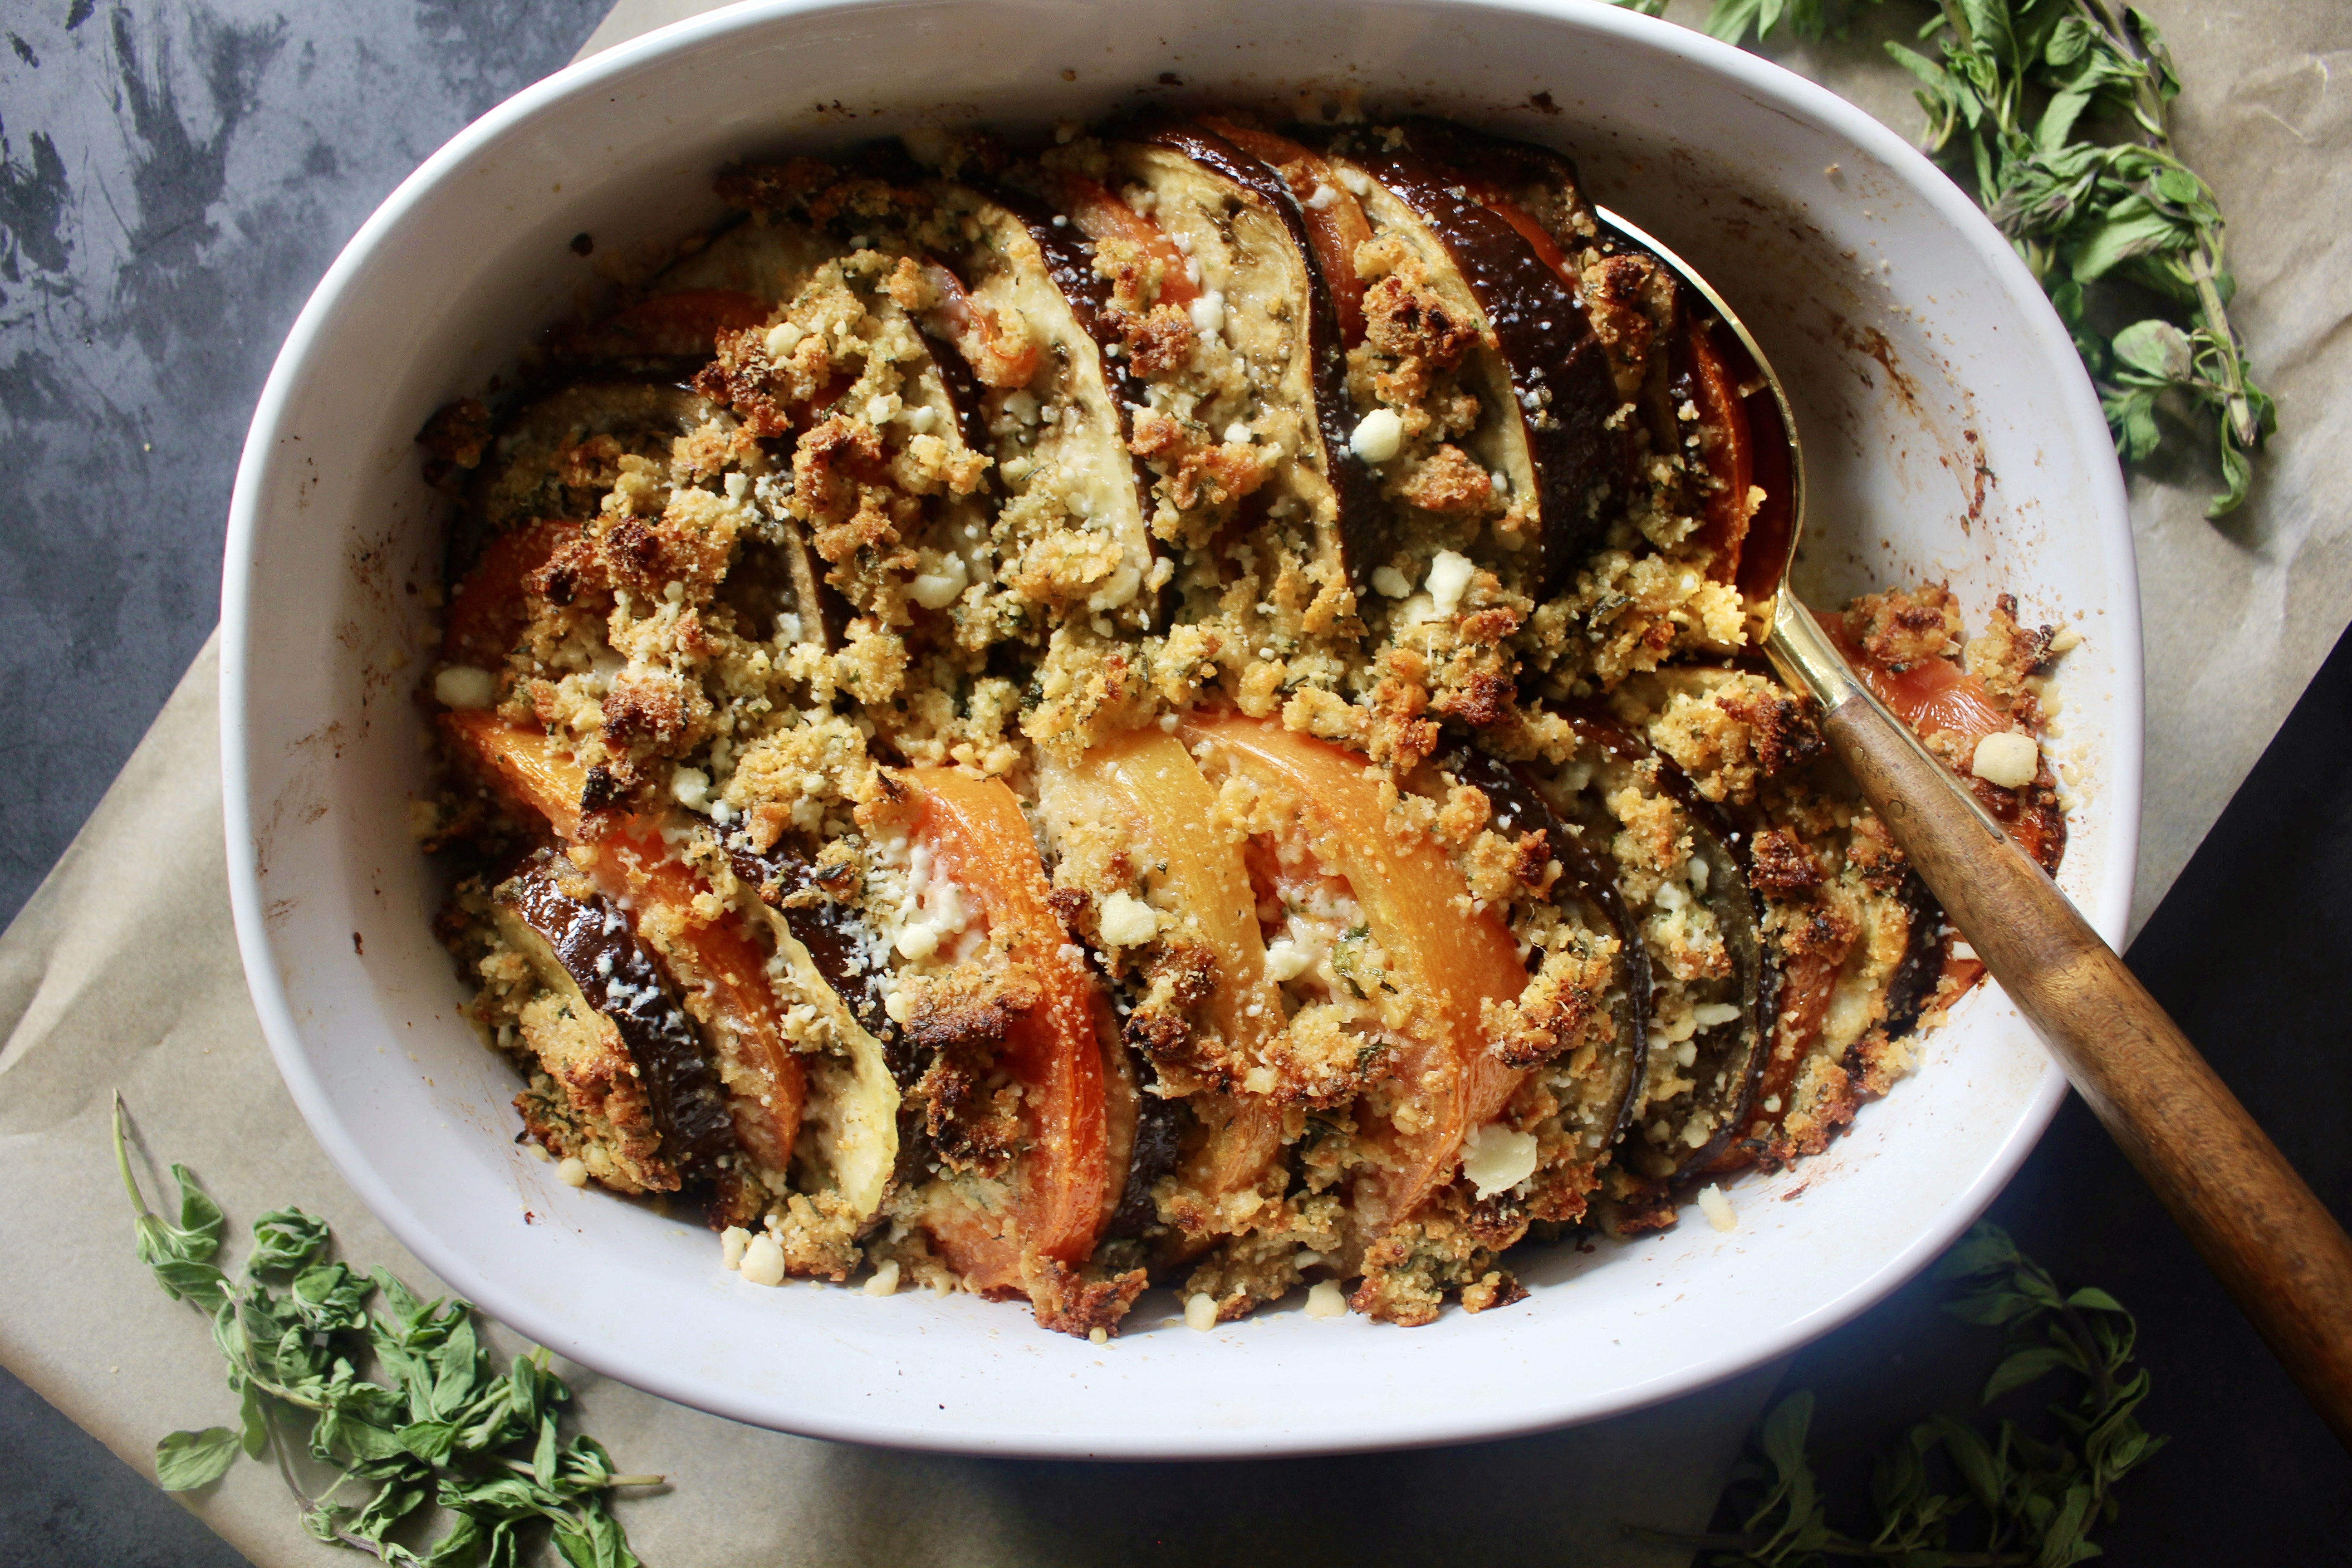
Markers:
point(959, 1021)
point(2007, 656)
point(1263, 1263)
point(1078, 1301)
point(454, 440)
point(1903, 626)
point(818, 1233)
point(1452, 1246)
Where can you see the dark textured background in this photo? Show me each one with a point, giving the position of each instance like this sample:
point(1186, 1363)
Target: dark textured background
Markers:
point(173, 179)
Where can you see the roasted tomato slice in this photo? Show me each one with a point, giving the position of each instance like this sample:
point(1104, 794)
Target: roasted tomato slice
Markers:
point(684, 323)
point(1417, 904)
point(488, 611)
point(1155, 782)
point(975, 828)
point(1932, 694)
point(1099, 214)
point(997, 358)
point(721, 973)
point(1725, 446)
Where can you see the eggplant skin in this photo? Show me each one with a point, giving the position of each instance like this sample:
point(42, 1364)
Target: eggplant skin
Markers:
point(837, 941)
point(1558, 370)
point(1519, 807)
point(587, 945)
point(1731, 1073)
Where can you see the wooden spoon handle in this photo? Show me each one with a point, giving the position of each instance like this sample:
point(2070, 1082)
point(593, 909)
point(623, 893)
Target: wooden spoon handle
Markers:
point(2254, 1220)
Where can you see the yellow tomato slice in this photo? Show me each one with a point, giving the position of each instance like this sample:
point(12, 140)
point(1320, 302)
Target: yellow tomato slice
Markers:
point(1158, 787)
point(1453, 957)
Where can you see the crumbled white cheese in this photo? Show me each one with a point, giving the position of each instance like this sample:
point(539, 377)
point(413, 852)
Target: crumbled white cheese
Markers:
point(937, 590)
point(572, 1171)
point(764, 1261)
point(921, 420)
point(1286, 960)
point(1239, 434)
point(1324, 197)
point(1449, 579)
point(1209, 313)
point(885, 1280)
point(462, 685)
point(1201, 1312)
point(690, 787)
point(739, 486)
point(731, 1242)
point(1963, 951)
point(1390, 583)
point(1498, 1159)
point(2008, 760)
point(1127, 921)
point(1708, 1014)
point(1324, 1300)
point(782, 339)
point(1716, 1207)
point(1120, 590)
point(917, 941)
point(1378, 436)
point(1356, 181)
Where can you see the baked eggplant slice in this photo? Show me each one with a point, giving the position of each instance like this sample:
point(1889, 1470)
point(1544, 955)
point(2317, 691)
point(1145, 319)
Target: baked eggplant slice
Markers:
point(1698, 1092)
point(1544, 376)
point(1243, 224)
point(839, 946)
point(1587, 883)
point(1059, 437)
point(853, 1116)
point(608, 986)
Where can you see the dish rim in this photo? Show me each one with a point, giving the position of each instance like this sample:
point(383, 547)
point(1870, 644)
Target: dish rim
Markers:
point(1738, 70)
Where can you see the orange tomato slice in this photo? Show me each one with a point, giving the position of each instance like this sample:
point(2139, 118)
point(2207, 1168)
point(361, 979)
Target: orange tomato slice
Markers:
point(975, 827)
point(1100, 216)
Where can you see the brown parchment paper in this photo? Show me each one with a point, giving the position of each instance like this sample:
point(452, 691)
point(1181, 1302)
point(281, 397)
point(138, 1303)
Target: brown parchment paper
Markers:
point(122, 972)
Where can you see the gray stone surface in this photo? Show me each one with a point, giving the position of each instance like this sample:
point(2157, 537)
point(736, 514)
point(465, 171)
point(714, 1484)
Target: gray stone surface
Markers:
point(174, 179)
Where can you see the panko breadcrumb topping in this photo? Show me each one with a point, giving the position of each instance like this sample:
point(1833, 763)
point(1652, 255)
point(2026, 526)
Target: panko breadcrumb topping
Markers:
point(1174, 711)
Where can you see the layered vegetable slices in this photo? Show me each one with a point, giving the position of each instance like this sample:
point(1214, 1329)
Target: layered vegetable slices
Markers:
point(1172, 709)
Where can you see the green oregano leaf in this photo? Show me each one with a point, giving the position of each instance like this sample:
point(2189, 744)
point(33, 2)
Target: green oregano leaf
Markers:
point(186, 1460)
point(1949, 1492)
point(400, 1402)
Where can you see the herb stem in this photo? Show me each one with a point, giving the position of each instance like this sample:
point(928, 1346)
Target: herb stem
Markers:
point(122, 1162)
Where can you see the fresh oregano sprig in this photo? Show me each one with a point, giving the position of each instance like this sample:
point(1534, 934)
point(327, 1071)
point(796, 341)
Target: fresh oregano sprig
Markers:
point(443, 1427)
point(2061, 113)
point(1947, 1494)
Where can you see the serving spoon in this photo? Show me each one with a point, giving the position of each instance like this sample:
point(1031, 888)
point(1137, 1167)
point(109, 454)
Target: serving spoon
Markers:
point(2257, 1223)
